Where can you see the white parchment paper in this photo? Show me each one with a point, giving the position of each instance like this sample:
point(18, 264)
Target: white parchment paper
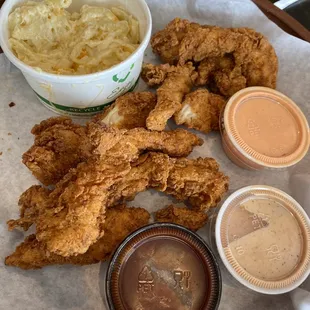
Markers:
point(69, 287)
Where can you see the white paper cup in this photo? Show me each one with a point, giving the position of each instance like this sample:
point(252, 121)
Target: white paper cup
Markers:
point(263, 238)
point(84, 95)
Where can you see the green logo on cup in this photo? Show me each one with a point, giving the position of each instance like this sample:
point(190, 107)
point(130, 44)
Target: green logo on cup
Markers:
point(121, 80)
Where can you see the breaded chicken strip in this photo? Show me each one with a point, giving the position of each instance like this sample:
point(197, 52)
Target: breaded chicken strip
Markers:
point(200, 110)
point(69, 220)
point(254, 60)
point(128, 111)
point(188, 218)
point(120, 221)
point(128, 144)
point(58, 147)
point(177, 82)
point(197, 181)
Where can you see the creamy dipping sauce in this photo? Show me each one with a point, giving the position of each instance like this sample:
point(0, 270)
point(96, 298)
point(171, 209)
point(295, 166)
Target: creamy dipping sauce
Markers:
point(265, 239)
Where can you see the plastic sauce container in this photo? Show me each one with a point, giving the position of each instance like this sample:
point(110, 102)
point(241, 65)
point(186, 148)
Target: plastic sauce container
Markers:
point(163, 266)
point(83, 95)
point(263, 238)
point(262, 128)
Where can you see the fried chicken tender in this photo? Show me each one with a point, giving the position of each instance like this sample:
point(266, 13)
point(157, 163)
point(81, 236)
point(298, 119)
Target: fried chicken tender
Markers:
point(200, 110)
point(177, 82)
point(120, 221)
point(58, 148)
point(188, 218)
point(128, 144)
point(73, 214)
point(229, 58)
point(128, 111)
point(59, 145)
point(70, 219)
point(197, 181)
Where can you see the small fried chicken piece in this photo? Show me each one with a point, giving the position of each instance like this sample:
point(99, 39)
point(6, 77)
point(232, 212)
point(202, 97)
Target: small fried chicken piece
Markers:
point(155, 74)
point(30, 203)
point(59, 145)
point(209, 65)
point(128, 111)
point(200, 110)
point(221, 74)
point(188, 218)
point(177, 83)
point(197, 181)
point(120, 221)
point(166, 43)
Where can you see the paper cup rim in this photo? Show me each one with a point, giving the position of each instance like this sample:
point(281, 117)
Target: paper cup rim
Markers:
point(6, 9)
point(223, 257)
point(255, 160)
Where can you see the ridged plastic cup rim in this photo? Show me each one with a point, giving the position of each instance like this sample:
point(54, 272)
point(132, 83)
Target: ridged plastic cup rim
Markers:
point(252, 155)
point(144, 230)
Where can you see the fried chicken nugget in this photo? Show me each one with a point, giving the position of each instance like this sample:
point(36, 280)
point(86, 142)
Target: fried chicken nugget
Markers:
point(197, 181)
point(128, 111)
point(120, 221)
point(59, 145)
point(200, 110)
point(188, 218)
point(177, 82)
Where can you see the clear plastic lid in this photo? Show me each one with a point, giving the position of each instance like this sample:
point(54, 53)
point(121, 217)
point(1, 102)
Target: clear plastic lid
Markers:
point(263, 239)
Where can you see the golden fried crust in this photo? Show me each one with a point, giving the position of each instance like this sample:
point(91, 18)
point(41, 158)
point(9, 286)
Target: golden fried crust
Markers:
point(200, 110)
point(59, 145)
point(154, 75)
point(31, 203)
point(73, 219)
point(188, 218)
point(128, 144)
point(120, 221)
point(170, 94)
point(166, 42)
point(129, 111)
point(198, 181)
point(253, 59)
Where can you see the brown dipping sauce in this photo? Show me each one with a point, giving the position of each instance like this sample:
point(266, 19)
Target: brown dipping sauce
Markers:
point(164, 266)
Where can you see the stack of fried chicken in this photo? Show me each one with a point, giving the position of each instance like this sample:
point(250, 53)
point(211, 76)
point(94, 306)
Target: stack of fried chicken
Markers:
point(94, 169)
point(224, 60)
